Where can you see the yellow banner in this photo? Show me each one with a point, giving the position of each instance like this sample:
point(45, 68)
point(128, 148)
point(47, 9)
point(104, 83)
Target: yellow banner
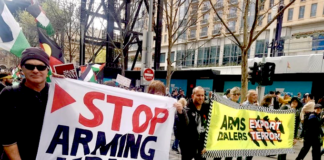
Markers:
point(234, 130)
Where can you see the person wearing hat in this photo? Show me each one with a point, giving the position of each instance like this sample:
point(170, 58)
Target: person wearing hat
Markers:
point(313, 134)
point(181, 94)
point(5, 80)
point(21, 120)
point(286, 99)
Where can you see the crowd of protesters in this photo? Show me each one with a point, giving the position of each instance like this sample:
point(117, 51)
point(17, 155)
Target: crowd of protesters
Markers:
point(20, 139)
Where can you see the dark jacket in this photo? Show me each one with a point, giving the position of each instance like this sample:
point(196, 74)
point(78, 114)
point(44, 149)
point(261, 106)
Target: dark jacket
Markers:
point(2, 86)
point(190, 139)
point(312, 127)
point(21, 118)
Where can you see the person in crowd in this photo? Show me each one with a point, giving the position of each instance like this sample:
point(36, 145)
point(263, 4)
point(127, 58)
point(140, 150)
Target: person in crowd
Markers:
point(266, 101)
point(176, 121)
point(299, 96)
point(304, 100)
point(294, 104)
point(29, 110)
point(167, 90)
point(209, 97)
point(308, 107)
point(235, 94)
point(192, 126)
point(174, 94)
point(157, 87)
point(312, 134)
point(5, 80)
point(275, 101)
point(286, 99)
point(252, 97)
point(227, 94)
point(181, 94)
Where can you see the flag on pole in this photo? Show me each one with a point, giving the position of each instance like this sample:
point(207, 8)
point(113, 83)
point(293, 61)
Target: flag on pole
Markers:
point(51, 48)
point(97, 67)
point(42, 21)
point(88, 75)
point(12, 38)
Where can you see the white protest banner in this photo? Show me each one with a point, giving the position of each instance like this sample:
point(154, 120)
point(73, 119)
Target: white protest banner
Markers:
point(123, 80)
point(87, 121)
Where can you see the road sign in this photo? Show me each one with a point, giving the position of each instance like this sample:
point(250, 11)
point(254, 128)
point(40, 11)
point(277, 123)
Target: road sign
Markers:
point(68, 70)
point(148, 74)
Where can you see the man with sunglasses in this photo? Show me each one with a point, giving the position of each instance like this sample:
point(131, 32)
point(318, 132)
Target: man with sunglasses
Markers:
point(21, 120)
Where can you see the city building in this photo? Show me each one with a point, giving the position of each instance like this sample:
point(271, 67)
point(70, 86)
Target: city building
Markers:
point(206, 42)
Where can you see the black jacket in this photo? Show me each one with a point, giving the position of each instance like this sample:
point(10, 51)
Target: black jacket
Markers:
point(21, 118)
point(190, 139)
point(1, 87)
point(312, 127)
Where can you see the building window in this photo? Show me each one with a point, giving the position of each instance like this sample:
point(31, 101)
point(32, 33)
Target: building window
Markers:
point(165, 38)
point(203, 55)
point(261, 48)
point(318, 43)
point(260, 19)
point(162, 58)
point(271, 3)
point(290, 14)
point(313, 10)
point(301, 12)
point(172, 57)
point(269, 17)
point(232, 55)
point(262, 5)
point(186, 58)
point(231, 25)
point(208, 56)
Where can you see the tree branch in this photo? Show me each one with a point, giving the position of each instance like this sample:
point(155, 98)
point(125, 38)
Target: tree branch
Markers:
point(273, 19)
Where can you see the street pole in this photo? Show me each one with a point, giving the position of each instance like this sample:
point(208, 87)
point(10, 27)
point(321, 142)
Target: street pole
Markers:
point(148, 47)
point(261, 89)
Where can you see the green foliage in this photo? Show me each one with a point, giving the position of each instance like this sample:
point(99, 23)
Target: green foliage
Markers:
point(28, 24)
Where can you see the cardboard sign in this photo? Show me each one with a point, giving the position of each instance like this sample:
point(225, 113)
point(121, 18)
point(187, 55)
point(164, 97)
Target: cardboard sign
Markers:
point(88, 121)
point(123, 80)
point(68, 70)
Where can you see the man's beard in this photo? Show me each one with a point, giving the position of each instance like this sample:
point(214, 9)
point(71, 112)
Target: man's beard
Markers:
point(8, 84)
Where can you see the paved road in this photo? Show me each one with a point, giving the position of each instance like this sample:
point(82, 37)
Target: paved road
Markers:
point(297, 147)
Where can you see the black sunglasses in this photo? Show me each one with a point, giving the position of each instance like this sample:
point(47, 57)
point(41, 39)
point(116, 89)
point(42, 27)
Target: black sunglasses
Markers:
point(32, 67)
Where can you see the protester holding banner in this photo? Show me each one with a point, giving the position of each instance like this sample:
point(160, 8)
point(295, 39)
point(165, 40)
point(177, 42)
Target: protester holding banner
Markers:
point(235, 94)
point(28, 112)
point(252, 97)
point(312, 134)
point(192, 126)
point(294, 104)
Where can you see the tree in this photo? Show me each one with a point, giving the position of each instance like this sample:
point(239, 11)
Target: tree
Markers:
point(250, 34)
point(178, 20)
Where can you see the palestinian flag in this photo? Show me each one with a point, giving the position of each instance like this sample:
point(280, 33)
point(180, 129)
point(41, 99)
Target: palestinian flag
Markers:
point(97, 67)
point(12, 38)
point(88, 75)
point(51, 48)
point(49, 74)
point(15, 73)
point(42, 21)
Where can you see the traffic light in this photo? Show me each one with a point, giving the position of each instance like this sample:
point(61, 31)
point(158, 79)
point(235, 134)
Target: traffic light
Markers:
point(268, 70)
point(253, 73)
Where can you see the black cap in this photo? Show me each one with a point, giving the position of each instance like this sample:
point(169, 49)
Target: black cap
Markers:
point(34, 53)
